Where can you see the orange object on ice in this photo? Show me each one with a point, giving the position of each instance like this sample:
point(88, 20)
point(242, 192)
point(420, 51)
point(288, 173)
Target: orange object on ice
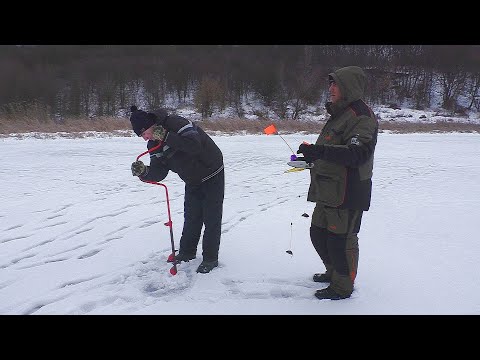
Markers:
point(269, 130)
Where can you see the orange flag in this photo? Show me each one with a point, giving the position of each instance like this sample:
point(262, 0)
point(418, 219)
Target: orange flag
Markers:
point(269, 130)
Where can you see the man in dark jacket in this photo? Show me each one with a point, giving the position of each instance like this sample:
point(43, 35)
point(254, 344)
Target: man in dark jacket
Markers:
point(341, 180)
point(188, 151)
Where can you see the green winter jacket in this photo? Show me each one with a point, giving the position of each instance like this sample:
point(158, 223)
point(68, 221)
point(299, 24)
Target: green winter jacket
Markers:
point(342, 176)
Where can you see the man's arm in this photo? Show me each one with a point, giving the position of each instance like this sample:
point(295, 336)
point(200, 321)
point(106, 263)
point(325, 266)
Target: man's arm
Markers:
point(357, 150)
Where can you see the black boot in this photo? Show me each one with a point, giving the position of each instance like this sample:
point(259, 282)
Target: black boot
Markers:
point(207, 266)
point(329, 293)
point(322, 278)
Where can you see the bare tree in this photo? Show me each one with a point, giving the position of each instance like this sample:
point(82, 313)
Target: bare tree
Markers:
point(473, 91)
point(452, 83)
point(106, 96)
point(209, 95)
point(154, 90)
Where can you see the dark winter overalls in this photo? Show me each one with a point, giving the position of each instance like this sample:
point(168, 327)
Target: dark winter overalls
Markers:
point(341, 180)
point(194, 156)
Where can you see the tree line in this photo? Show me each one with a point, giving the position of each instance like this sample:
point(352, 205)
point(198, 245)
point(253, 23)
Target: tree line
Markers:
point(104, 80)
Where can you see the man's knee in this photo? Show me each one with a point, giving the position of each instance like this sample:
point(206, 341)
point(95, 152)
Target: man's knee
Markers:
point(318, 233)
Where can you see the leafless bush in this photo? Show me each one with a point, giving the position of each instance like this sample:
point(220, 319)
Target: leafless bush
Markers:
point(35, 120)
point(23, 115)
point(209, 96)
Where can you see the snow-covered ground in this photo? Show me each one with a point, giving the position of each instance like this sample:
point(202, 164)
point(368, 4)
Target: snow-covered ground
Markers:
point(80, 235)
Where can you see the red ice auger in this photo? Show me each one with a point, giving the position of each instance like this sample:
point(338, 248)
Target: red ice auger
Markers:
point(171, 257)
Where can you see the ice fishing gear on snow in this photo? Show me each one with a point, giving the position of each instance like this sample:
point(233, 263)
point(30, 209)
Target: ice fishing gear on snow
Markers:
point(298, 164)
point(301, 162)
point(272, 130)
point(171, 257)
point(289, 251)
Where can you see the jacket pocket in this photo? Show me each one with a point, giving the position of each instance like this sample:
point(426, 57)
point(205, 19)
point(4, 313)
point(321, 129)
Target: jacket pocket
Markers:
point(331, 190)
point(327, 184)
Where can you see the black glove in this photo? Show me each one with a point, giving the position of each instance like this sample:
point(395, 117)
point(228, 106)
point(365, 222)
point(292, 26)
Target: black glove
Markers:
point(138, 168)
point(311, 152)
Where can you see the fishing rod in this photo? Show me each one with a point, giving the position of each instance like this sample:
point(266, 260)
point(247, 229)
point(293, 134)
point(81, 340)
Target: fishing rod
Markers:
point(297, 164)
point(271, 129)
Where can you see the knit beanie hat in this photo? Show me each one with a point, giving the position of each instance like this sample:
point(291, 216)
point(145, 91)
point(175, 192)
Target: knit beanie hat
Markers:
point(140, 120)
